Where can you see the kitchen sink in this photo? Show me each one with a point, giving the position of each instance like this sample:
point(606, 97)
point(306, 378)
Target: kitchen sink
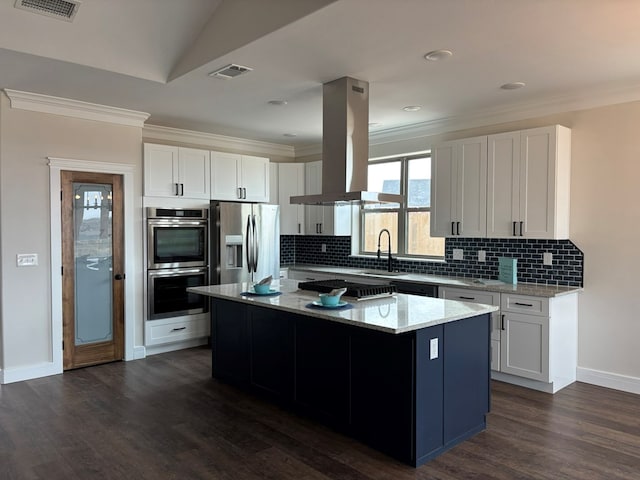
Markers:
point(382, 273)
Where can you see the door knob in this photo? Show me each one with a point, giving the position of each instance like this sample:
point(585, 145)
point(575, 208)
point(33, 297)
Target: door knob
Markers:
point(119, 276)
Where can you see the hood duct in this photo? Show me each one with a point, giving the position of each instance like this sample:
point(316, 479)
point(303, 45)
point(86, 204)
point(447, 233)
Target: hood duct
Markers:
point(345, 146)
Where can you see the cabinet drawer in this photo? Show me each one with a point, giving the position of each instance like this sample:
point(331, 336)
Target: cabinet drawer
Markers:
point(159, 332)
point(525, 304)
point(463, 295)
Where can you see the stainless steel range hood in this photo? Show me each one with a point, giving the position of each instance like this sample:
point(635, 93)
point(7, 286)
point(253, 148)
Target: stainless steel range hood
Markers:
point(345, 146)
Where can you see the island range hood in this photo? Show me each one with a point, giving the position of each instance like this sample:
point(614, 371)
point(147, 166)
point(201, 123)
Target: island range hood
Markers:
point(345, 147)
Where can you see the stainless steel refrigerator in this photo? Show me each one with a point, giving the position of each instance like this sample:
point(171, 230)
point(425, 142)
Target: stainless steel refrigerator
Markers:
point(245, 241)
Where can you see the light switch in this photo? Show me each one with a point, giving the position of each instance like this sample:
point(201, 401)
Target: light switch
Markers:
point(458, 254)
point(547, 258)
point(323, 248)
point(433, 349)
point(27, 259)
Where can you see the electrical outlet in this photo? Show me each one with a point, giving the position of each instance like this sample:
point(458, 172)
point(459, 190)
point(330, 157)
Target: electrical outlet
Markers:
point(323, 248)
point(433, 349)
point(458, 254)
point(27, 259)
point(547, 258)
point(482, 256)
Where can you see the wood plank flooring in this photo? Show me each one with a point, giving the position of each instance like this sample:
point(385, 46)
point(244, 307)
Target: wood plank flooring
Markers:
point(165, 418)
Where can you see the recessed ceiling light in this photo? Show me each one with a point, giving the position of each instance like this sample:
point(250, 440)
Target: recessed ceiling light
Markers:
point(277, 103)
point(437, 55)
point(290, 135)
point(512, 86)
point(412, 108)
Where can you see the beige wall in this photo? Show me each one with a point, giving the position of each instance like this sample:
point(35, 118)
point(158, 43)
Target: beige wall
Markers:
point(605, 225)
point(28, 138)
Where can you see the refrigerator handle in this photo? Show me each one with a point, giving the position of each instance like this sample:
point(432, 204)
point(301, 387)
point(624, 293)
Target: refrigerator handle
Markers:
point(256, 245)
point(247, 245)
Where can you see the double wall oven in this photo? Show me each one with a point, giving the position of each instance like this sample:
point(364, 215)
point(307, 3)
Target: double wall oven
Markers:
point(177, 258)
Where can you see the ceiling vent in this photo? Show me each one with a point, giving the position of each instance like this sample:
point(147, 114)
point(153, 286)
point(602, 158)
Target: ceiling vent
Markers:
point(60, 9)
point(230, 71)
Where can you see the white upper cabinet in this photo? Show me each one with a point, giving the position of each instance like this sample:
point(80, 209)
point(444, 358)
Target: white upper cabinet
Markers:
point(239, 177)
point(328, 219)
point(459, 188)
point(291, 183)
point(529, 183)
point(176, 172)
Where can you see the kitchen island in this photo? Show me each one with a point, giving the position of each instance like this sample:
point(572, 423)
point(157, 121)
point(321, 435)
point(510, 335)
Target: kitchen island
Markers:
point(406, 375)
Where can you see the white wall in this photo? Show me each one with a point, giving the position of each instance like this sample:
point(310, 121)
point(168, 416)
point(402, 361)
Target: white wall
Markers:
point(605, 225)
point(27, 139)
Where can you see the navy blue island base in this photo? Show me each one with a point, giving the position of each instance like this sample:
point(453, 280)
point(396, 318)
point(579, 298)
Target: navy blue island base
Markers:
point(383, 389)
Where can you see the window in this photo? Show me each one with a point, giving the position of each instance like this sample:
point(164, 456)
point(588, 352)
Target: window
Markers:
point(409, 223)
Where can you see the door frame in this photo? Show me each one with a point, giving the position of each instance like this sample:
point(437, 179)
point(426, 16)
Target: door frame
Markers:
point(56, 165)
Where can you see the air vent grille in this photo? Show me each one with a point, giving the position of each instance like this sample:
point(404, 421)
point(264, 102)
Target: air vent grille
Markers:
point(230, 71)
point(60, 9)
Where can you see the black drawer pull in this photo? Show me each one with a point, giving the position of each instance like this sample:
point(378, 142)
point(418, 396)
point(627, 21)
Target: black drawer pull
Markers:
point(524, 304)
point(177, 329)
point(467, 298)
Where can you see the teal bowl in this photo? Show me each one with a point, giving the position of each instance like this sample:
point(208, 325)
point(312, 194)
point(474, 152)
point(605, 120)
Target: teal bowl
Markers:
point(262, 288)
point(329, 300)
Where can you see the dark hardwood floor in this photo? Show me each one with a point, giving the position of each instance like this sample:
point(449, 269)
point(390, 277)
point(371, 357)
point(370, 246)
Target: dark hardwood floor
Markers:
point(164, 417)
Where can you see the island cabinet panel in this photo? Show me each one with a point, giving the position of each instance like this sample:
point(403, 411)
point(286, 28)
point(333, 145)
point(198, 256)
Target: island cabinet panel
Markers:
point(322, 376)
point(382, 373)
point(271, 352)
point(230, 341)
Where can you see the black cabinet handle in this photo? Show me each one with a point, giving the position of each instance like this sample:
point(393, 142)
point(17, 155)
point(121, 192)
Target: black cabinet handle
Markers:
point(177, 190)
point(523, 304)
point(457, 228)
point(453, 232)
point(502, 322)
point(514, 228)
point(468, 298)
point(521, 225)
point(299, 228)
point(177, 329)
point(182, 189)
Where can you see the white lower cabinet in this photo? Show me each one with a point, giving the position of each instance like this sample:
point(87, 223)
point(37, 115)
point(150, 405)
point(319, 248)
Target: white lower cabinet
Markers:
point(170, 330)
point(533, 339)
point(487, 298)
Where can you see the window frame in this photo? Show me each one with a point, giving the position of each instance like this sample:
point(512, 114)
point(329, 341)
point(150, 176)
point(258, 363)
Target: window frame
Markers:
point(403, 210)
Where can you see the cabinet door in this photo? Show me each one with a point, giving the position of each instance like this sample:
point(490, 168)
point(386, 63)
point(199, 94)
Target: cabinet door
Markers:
point(160, 170)
point(290, 183)
point(537, 182)
point(274, 187)
point(194, 176)
point(271, 348)
point(254, 178)
point(314, 214)
point(471, 194)
point(322, 376)
point(230, 337)
point(225, 176)
point(443, 190)
point(524, 346)
point(503, 185)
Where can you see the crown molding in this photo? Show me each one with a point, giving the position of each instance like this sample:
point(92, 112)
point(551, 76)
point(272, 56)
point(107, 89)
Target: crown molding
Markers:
point(36, 102)
point(212, 140)
point(583, 100)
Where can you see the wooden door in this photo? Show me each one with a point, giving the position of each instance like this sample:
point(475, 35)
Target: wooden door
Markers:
point(92, 268)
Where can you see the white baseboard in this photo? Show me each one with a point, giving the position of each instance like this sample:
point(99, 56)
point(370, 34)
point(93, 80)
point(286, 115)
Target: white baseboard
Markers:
point(11, 375)
point(609, 380)
point(139, 352)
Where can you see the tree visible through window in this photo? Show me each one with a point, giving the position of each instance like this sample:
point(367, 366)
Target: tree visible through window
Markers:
point(409, 223)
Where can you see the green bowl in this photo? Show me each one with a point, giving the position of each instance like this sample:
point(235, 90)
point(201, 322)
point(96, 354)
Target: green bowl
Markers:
point(262, 288)
point(329, 300)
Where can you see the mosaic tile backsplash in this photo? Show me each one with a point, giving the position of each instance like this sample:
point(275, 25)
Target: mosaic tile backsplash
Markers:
point(567, 268)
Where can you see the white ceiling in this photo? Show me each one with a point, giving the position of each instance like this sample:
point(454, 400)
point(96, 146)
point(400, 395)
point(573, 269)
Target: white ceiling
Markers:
point(154, 56)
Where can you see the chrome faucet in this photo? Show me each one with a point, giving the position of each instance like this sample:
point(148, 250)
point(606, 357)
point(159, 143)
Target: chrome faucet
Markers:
point(389, 257)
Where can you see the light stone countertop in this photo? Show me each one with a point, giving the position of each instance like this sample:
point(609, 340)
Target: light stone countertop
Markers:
point(532, 289)
point(396, 314)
